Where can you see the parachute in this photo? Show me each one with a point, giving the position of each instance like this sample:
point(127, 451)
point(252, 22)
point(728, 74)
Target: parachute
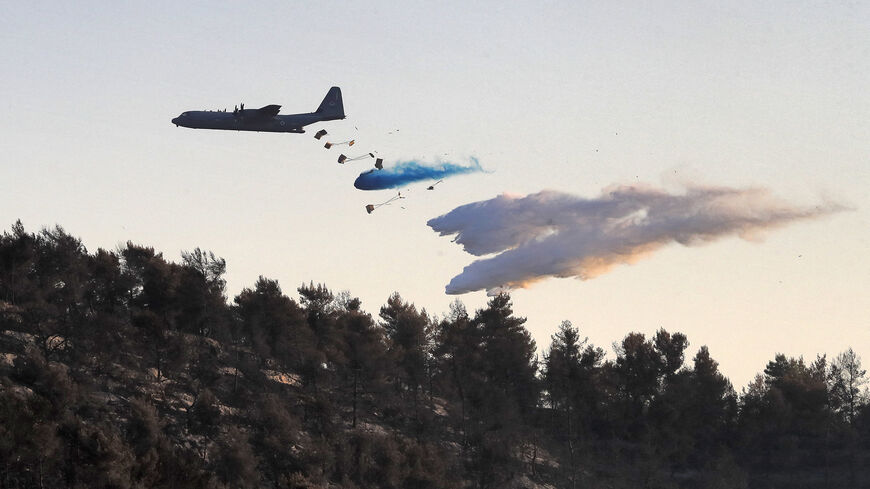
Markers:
point(329, 145)
point(371, 207)
point(320, 134)
point(342, 159)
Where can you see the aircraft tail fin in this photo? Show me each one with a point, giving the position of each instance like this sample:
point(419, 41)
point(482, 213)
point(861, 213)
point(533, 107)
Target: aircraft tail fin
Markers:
point(332, 106)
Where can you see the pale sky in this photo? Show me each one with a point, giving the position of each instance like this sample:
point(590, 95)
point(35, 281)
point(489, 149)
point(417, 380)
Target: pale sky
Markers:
point(547, 95)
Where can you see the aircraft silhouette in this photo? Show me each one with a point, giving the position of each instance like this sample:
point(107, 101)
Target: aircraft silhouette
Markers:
point(264, 119)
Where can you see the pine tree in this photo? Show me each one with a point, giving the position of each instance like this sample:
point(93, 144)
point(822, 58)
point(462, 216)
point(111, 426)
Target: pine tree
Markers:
point(408, 346)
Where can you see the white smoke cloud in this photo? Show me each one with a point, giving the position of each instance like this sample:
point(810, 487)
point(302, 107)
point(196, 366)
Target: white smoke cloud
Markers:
point(554, 234)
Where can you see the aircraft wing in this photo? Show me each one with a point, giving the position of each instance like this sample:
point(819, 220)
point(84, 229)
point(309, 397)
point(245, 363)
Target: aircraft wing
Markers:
point(268, 111)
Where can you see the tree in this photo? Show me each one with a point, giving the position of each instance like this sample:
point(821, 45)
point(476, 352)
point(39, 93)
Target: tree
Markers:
point(568, 374)
point(365, 350)
point(153, 302)
point(153, 285)
point(670, 348)
point(320, 314)
point(504, 400)
point(276, 432)
point(561, 366)
point(94, 455)
point(107, 285)
point(508, 354)
point(458, 355)
point(17, 257)
point(784, 416)
point(151, 448)
point(43, 276)
point(234, 462)
point(408, 346)
point(712, 409)
point(638, 365)
point(849, 399)
point(275, 325)
point(201, 294)
point(204, 414)
point(29, 445)
point(848, 378)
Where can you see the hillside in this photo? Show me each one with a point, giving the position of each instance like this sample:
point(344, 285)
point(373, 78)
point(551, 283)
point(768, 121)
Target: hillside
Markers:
point(121, 369)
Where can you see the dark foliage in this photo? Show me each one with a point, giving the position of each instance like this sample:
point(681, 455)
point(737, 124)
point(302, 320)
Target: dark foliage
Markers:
point(120, 369)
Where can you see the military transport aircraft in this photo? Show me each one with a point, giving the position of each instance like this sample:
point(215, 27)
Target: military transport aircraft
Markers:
point(264, 119)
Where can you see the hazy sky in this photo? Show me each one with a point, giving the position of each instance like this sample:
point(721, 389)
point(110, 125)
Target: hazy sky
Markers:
point(547, 95)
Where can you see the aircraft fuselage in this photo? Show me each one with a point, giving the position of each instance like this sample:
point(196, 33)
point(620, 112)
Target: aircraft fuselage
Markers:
point(206, 119)
point(264, 119)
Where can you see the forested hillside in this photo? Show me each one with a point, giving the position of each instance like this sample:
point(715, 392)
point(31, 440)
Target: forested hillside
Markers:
point(123, 369)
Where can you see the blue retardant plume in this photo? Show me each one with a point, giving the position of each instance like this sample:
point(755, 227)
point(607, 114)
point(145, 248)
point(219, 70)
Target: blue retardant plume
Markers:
point(405, 172)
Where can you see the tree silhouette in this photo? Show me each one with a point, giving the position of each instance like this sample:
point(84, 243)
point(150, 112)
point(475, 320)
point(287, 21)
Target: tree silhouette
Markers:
point(406, 332)
point(569, 372)
point(848, 378)
point(121, 369)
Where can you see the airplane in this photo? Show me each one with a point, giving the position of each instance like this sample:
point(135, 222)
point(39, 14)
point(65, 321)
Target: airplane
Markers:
point(265, 119)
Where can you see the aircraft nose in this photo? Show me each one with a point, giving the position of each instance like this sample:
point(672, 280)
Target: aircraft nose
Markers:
point(175, 121)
